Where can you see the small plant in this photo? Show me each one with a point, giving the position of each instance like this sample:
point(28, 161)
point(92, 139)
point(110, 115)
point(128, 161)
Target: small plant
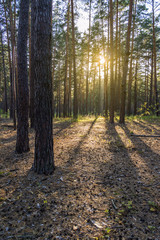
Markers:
point(153, 206)
point(151, 228)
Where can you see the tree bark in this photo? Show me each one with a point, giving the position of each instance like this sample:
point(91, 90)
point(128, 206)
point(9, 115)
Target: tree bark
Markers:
point(66, 65)
point(130, 69)
point(44, 157)
point(155, 62)
point(13, 80)
point(75, 102)
point(112, 86)
point(87, 77)
point(125, 66)
point(135, 90)
point(4, 73)
point(22, 144)
point(32, 68)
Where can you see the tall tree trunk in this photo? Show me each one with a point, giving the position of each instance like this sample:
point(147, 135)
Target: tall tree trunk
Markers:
point(116, 59)
point(130, 69)
point(4, 73)
point(112, 86)
point(75, 102)
point(99, 91)
point(9, 51)
point(44, 157)
point(89, 36)
point(13, 81)
point(22, 144)
point(135, 90)
point(32, 67)
point(104, 66)
point(66, 65)
point(107, 75)
point(125, 66)
point(151, 84)
point(119, 67)
point(70, 83)
point(155, 61)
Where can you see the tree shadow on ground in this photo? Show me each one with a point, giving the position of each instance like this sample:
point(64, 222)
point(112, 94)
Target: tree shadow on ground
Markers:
point(149, 156)
point(62, 126)
point(77, 149)
point(129, 210)
point(147, 127)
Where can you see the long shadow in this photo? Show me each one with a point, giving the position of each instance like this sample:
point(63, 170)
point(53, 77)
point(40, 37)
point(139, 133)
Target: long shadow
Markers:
point(149, 156)
point(122, 180)
point(149, 129)
point(78, 148)
point(62, 126)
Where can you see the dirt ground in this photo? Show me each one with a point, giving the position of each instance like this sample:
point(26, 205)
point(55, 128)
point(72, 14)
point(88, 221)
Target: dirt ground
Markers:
point(106, 184)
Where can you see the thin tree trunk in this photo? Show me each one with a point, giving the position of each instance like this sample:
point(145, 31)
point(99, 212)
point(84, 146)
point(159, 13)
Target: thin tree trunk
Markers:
point(89, 36)
point(22, 144)
point(135, 90)
point(5, 78)
point(130, 69)
point(13, 84)
point(75, 102)
point(112, 86)
point(32, 67)
point(9, 52)
point(155, 62)
point(125, 66)
point(99, 91)
point(116, 59)
point(151, 84)
point(107, 77)
point(66, 65)
point(70, 83)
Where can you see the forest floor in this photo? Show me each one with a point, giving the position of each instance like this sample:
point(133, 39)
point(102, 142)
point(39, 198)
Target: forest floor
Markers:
point(106, 184)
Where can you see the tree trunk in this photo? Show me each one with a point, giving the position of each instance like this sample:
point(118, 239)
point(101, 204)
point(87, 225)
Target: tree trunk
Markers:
point(13, 80)
point(125, 66)
point(135, 90)
point(116, 60)
point(5, 78)
point(151, 84)
point(44, 157)
point(112, 86)
point(107, 75)
point(155, 62)
point(22, 144)
point(89, 36)
point(99, 91)
point(32, 68)
point(66, 65)
point(130, 69)
point(75, 103)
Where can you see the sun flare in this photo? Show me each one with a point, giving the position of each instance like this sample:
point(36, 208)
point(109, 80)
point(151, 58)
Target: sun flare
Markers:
point(102, 60)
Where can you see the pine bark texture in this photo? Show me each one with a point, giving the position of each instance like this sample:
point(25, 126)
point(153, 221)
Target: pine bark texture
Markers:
point(87, 77)
point(125, 66)
point(44, 157)
point(130, 69)
point(75, 101)
point(22, 144)
point(66, 66)
point(32, 69)
point(4, 73)
point(112, 87)
point(155, 60)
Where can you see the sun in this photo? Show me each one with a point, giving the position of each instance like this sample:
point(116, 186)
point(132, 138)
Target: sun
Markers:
point(102, 60)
